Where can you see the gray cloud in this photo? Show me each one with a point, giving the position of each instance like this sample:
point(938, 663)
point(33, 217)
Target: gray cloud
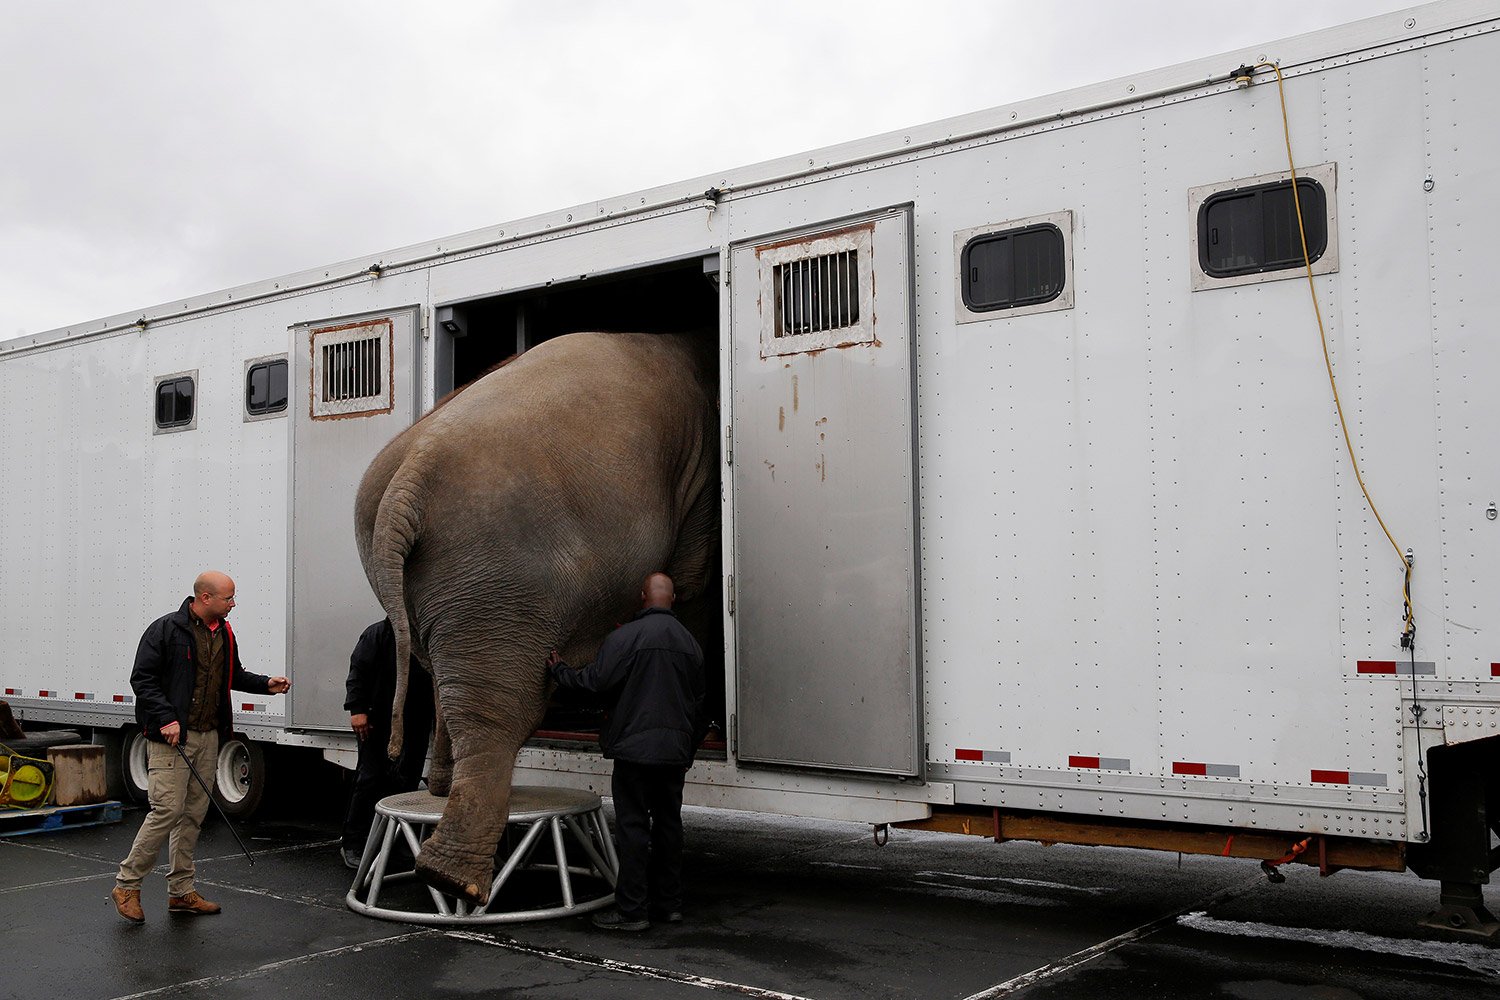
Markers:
point(164, 150)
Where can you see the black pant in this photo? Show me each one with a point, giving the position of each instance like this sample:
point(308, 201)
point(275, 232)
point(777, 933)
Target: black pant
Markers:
point(648, 836)
point(378, 776)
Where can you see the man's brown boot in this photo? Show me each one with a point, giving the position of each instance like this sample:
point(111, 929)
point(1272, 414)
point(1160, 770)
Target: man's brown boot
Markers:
point(128, 902)
point(191, 903)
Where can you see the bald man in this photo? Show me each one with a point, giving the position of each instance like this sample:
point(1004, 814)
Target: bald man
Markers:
point(184, 667)
point(651, 670)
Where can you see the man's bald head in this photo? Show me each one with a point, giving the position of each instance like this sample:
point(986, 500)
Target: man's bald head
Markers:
point(213, 583)
point(213, 596)
point(658, 591)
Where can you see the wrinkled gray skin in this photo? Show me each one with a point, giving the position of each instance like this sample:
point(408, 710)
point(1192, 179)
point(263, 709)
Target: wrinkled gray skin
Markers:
point(520, 515)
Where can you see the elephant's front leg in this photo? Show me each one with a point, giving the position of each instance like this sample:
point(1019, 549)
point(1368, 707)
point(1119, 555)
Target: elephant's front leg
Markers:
point(486, 727)
point(459, 856)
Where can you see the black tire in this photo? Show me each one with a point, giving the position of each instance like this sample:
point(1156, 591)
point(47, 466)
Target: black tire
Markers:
point(133, 765)
point(239, 777)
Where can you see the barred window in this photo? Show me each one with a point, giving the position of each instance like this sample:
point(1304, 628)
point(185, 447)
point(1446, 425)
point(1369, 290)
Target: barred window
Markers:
point(817, 293)
point(351, 373)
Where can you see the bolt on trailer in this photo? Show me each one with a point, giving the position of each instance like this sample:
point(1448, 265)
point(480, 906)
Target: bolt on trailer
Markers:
point(1114, 467)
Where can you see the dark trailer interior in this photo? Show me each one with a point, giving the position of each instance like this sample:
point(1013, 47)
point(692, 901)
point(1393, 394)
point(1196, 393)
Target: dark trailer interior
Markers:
point(475, 336)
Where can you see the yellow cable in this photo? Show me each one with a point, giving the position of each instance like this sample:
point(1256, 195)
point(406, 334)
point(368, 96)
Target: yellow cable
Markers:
point(1312, 289)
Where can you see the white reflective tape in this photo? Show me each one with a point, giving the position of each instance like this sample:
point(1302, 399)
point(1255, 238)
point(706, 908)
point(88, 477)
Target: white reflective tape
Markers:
point(1420, 667)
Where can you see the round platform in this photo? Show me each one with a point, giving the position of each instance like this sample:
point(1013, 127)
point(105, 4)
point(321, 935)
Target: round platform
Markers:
point(528, 803)
point(573, 818)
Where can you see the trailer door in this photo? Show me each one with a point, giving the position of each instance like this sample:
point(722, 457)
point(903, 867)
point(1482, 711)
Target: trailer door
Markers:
point(355, 386)
point(825, 573)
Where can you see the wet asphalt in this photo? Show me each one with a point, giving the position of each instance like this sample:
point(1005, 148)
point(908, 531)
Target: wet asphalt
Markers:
point(777, 908)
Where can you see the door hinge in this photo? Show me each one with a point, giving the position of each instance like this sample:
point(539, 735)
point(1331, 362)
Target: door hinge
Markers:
point(734, 734)
point(729, 444)
point(731, 593)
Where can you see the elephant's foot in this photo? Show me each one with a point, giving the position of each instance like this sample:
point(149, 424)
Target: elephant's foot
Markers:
point(440, 780)
point(457, 875)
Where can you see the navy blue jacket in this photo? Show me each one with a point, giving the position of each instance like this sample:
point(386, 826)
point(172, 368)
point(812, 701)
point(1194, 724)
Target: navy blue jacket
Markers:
point(166, 662)
point(652, 669)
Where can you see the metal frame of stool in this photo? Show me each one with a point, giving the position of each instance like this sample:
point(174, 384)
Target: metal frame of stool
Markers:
point(583, 818)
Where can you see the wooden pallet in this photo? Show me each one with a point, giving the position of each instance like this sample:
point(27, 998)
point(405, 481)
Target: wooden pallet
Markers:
point(19, 822)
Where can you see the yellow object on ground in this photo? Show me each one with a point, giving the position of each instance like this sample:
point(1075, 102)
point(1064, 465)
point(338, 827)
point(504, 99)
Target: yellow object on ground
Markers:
point(25, 782)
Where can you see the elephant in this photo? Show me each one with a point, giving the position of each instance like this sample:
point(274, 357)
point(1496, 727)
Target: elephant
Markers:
point(520, 515)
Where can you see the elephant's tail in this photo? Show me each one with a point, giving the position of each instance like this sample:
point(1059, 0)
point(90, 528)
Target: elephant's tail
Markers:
point(395, 533)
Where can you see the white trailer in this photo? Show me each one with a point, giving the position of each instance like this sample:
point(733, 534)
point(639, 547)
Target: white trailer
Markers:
point(1039, 519)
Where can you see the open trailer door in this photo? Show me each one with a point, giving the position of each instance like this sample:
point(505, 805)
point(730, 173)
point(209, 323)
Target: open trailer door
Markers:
point(354, 387)
point(825, 571)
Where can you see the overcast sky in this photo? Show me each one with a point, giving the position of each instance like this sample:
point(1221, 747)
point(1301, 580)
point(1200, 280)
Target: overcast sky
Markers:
point(158, 150)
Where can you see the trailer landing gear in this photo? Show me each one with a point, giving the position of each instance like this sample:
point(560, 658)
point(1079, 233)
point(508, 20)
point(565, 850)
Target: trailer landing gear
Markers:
point(1465, 782)
point(1461, 911)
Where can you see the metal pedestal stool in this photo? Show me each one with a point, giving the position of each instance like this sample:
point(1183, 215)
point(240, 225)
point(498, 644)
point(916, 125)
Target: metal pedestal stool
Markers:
point(575, 820)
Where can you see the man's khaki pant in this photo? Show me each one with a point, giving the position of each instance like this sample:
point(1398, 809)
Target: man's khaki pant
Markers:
point(178, 805)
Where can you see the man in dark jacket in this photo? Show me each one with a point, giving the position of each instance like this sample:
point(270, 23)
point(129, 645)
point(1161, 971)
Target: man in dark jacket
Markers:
point(368, 695)
point(184, 667)
point(652, 669)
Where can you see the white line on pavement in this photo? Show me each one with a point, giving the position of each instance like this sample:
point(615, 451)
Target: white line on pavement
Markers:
point(253, 891)
point(611, 965)
point(1105, 947)
point(273, 966)
point(1476, 957)
point(61, 881)
point(261, 852)
point(1029, 883)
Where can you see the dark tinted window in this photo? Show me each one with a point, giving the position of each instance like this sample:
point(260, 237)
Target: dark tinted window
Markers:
point(1250, 230)
point(1019, 267)
point(174, 402)
point(265, 387)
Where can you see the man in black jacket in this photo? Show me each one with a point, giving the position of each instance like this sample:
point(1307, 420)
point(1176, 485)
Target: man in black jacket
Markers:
point(368, 695)
point(184, 667)
point(652, 669)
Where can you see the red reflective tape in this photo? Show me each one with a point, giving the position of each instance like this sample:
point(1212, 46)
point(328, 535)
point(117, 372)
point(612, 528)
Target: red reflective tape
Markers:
point(1495, 669)
point(1183, 767)
point(1083, 761)
point(12, 691)
point(46, 694)
point(247, 707)
point(1376, 666)
point(1331, 777)
point(968, 754)
point(118, 697)
point(79, 696)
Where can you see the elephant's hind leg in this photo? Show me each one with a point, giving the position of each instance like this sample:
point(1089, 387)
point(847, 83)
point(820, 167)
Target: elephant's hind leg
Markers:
point(440, 772)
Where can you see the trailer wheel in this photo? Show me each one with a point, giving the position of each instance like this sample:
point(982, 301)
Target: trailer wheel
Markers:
point(240, 777)
point(133, 765)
